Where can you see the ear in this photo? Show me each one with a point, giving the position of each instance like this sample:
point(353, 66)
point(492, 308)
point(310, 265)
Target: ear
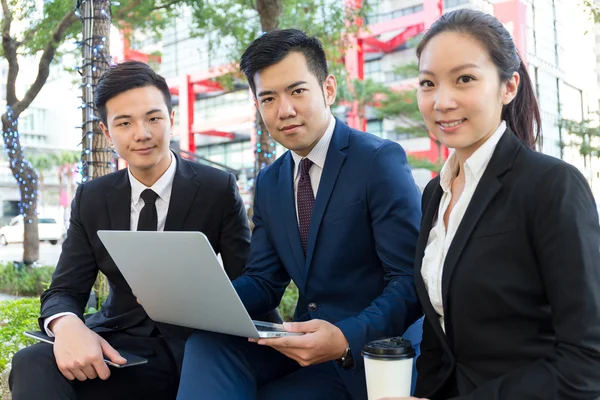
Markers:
point(106, 132)
point(330, 90)
point(172, 121)
point(510, 88)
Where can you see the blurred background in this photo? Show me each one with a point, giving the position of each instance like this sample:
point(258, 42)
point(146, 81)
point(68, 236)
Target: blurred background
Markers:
point(55, 50)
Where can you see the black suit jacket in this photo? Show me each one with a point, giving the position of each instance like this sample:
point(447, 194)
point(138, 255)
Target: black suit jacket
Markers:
point(520, 286)
point(202, 199)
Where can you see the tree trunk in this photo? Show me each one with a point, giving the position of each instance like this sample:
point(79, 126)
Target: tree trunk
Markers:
point(269, 12)
point(265, 145)
point(27, 179)
point(96, 153)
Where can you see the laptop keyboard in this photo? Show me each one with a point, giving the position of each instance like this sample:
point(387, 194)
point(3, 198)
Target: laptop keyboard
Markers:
point(268, 328)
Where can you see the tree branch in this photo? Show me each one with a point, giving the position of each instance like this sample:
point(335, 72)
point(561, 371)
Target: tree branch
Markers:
point(166, 5)
point(44, 65)
point(26, 37)
point(9, 46)
point(122, 13)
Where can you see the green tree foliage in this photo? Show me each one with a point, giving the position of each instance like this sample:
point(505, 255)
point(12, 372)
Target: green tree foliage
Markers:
point(24, 280)
point(594, 10)
point(287, 306)
point(16, 317)
point(241, 21)
point(583, 136)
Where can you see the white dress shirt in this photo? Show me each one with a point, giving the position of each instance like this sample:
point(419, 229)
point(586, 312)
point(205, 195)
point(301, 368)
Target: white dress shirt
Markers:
point(162, 187)
point(440, 236)
point(317, 155)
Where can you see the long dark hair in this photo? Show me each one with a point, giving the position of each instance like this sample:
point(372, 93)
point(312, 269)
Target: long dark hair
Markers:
point(522, 114)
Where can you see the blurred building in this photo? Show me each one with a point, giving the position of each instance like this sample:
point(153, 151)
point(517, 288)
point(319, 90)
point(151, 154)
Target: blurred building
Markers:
point(550, 34)
point(556, 38)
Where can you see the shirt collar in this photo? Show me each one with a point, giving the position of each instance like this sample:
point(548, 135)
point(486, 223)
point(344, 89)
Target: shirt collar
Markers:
point(475, 165)
point(162, 187)
point(319, 153)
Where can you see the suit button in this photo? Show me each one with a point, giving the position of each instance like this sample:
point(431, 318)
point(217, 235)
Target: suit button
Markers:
point(312, 307)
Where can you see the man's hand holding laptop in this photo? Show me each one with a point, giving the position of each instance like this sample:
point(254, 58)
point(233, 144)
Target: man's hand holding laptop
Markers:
point(322, 341)
point(79, 351)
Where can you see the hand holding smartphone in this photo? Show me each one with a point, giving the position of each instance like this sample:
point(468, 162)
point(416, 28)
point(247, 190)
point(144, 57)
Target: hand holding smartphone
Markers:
point(132, 359)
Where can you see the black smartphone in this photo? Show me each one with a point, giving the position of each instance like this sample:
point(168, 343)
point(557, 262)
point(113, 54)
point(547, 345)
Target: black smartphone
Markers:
point(132, 359)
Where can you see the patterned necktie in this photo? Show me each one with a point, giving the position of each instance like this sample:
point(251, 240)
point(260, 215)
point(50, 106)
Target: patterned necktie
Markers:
point(148, 217)
point(306, 201)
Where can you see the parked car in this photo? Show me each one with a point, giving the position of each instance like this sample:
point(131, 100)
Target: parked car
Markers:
point(49, 230)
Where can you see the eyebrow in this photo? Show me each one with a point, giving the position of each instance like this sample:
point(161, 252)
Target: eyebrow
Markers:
point(124, 116)
point(453, 70)
point(271, 92)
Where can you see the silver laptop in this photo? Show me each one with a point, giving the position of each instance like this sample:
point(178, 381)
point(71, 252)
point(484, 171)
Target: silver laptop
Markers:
point(178, 279)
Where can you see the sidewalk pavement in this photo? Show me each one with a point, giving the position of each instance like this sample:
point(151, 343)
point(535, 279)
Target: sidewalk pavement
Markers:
point(7, 297)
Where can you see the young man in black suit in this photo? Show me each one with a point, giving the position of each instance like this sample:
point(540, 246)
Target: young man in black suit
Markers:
point(158, 191)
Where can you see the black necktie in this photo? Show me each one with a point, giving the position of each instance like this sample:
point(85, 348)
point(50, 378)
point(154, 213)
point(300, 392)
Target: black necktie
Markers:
point(148, 217)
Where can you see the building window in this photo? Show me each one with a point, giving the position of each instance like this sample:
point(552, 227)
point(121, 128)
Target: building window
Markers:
point(237, 155)
point(10, 208)
point(375, 127)
point(221, 106)
point(373, 70)
point(454, 3)
point(376, 17)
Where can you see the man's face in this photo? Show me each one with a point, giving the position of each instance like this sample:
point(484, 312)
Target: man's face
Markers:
point(292, 103)
point(139, 126)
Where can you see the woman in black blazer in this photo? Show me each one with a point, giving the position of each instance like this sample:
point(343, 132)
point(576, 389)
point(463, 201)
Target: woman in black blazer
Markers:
point(508, 261)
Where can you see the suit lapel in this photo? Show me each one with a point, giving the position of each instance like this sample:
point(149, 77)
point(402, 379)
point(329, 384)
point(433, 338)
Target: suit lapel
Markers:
point(183, 194)
point(333, 164)
point(430, 212)
point(288, 208)
point(488, 187)
point(119, 203)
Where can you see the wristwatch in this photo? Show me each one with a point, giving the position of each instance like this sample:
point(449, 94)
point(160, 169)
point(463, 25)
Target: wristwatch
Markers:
point(346, 361)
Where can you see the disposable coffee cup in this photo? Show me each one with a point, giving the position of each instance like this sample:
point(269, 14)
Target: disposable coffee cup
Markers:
point(388, 367)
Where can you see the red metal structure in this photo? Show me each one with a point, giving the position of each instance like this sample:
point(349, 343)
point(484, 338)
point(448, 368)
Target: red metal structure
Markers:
point(367, 41)
point(186, 87)
point(512, 13)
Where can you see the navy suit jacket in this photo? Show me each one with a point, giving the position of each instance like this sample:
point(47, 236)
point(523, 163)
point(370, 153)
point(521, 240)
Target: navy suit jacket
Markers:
point(358, 268)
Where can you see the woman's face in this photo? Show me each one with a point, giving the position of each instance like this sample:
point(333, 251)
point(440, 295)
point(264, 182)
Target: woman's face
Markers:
point(460, 94)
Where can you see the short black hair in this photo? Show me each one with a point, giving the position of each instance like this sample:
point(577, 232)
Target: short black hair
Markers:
point(126, 76)
point(274, 46)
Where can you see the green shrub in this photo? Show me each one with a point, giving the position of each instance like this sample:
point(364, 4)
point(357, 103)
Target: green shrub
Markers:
point(24, 281)
point(288, 302)
point(16, 317)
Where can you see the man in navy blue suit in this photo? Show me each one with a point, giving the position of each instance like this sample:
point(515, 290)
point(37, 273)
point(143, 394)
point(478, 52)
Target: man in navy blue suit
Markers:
point(338, 214)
